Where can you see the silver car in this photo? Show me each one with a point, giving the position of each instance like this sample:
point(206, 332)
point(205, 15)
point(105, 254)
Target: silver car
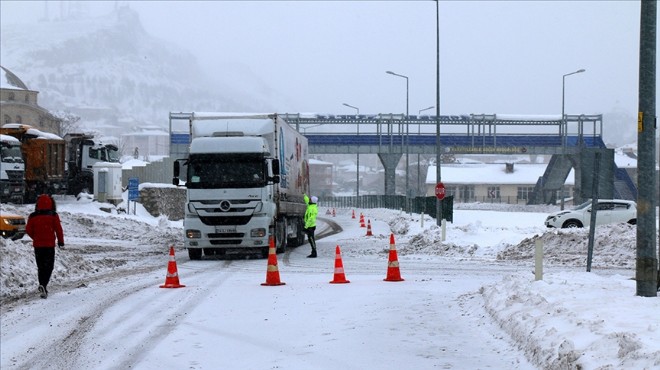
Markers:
point(609, 211)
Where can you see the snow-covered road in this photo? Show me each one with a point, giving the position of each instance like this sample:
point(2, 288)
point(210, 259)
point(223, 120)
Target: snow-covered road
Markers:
point(469, 302)
point(224, 318)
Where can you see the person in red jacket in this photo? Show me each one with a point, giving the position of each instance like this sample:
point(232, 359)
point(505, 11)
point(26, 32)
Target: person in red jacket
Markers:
point(43, 227)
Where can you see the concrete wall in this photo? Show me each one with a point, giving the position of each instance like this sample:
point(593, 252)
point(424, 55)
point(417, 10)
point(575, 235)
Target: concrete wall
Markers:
point(164, 201)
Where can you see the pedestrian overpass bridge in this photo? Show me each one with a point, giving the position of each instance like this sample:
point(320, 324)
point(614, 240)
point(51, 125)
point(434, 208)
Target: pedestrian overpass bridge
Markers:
point(572, 143)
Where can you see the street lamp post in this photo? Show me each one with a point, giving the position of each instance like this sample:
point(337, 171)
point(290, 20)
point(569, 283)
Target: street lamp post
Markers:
point(407, 128)
point(357, 170)
point(419, 168)
point(564, 128)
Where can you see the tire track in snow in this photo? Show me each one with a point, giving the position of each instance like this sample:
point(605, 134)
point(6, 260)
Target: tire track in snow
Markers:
point(150, 318)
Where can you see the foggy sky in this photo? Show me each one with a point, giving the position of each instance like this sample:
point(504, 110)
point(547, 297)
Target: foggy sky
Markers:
point(495, 56)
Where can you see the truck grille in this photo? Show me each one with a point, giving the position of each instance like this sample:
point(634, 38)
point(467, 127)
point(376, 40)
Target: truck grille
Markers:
point(226, 242)
point(225, 220)
point(15, 176)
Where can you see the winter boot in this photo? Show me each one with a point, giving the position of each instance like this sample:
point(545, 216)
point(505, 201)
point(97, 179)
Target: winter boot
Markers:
point(43, 293)
point(313, 254)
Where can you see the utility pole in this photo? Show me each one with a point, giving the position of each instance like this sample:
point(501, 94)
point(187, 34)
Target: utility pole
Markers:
point(438, 152)
point(647, 275)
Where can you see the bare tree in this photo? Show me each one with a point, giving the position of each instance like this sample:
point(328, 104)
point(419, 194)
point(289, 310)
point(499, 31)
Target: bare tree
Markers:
point(69, 122)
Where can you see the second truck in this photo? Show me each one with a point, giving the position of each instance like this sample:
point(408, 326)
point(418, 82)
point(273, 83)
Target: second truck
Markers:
point(47, 163)
point(246, 175)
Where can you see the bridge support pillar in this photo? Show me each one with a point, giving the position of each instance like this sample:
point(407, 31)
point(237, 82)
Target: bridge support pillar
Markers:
point(390, 161)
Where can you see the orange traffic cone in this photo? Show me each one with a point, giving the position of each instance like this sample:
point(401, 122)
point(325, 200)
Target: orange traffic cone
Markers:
point(369, 228)
point(272, 273)
point(362, 220)
point(353, 216)
point(393, 273)
point(340, 277)
point(334, 214)
point(172, 277)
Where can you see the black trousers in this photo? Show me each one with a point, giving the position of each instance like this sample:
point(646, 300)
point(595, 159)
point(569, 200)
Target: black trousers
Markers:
point(45, 258)
point(310, 235)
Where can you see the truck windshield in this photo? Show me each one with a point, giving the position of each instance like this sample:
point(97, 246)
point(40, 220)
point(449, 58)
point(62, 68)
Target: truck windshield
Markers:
point(226, 171)
point(113, 153)
point(11, 154)
point(108, 153)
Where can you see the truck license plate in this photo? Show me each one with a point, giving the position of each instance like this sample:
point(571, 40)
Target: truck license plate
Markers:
point(225, 229)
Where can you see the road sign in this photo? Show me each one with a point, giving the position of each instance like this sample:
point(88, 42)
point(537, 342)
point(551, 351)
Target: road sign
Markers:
point(440, 191)
point(133, 192)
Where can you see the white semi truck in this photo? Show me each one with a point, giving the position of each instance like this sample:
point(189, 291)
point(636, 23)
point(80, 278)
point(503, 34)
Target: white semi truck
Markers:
point(12, 170)
point(245, 176)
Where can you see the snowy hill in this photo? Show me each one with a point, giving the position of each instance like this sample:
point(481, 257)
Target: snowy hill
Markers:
point(107, 68)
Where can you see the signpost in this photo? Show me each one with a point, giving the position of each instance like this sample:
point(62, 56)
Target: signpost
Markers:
point(133, 192)
point(440, 194)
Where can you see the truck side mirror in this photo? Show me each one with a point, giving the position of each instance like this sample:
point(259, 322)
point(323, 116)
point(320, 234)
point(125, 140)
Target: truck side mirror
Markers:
point(176, 170)
point(275, 164)
point(276, 179)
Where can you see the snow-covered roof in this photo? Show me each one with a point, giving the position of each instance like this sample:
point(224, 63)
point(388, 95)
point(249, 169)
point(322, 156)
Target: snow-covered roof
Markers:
point(490, 174)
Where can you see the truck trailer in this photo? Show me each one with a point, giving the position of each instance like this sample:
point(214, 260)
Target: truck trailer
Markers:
point(246, 175)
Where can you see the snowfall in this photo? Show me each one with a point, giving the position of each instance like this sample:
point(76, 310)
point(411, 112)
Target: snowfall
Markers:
point(475, 300)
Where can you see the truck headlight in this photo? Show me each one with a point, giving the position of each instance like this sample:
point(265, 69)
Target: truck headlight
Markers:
point(258, 233)
point(193, 234)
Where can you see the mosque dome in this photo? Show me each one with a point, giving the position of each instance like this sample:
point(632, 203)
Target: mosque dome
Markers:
point(8, 80)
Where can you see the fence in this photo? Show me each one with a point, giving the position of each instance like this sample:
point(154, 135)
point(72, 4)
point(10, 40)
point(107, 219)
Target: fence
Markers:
point(426, 205)
point(159, 172)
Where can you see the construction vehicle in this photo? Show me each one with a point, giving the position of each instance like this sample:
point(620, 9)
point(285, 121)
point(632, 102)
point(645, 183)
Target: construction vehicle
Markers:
point(12, 170)
point(44, 155)
point(83, 151)
point(246, 175)
point(58, 166)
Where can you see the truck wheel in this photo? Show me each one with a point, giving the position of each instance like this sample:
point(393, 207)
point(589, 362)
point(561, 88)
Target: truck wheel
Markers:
point(195, 253)
point(280, 236)
point(300, 232)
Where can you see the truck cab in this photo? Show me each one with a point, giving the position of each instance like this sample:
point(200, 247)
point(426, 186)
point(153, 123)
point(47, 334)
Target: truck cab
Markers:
point(83, 151)
point(12, 170)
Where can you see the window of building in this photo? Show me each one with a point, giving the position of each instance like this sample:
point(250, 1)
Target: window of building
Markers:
point(7, 119)
point(10, 96)
point(524, 192)
point(493, 192)
point(19, 119)
point(27, 98)
point(466, 193)
point(450, 191)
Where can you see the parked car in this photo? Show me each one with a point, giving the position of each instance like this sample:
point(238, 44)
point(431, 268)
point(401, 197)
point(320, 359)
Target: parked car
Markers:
point(609, 211)
point(12, 226)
